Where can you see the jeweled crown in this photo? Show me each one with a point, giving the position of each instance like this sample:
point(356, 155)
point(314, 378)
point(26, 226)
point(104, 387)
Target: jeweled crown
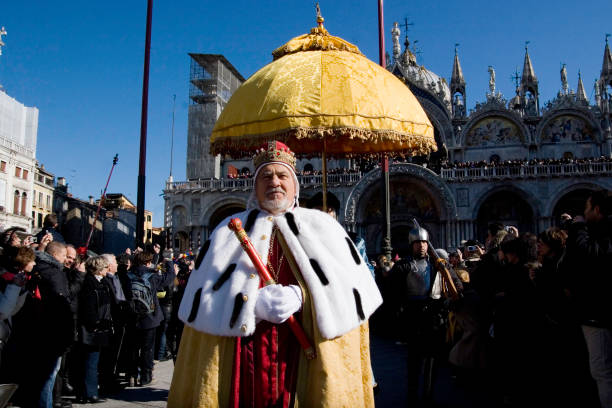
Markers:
point(274, 152)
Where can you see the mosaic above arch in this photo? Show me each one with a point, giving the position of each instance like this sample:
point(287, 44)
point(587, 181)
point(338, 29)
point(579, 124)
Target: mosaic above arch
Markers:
point(495, 130)
point(568, 128)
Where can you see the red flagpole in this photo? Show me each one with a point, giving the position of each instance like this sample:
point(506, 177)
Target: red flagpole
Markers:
point(93, 225)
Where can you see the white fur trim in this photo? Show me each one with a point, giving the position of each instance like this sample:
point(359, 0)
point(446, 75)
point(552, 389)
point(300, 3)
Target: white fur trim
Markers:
point(320, 238)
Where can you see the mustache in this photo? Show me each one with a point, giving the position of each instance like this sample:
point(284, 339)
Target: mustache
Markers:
point(275, 190)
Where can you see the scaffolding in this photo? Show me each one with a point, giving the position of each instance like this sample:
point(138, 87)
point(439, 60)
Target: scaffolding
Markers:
point(212, 79)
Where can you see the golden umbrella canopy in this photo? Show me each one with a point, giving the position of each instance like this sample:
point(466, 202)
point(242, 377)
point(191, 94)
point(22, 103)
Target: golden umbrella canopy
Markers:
point(321, 94)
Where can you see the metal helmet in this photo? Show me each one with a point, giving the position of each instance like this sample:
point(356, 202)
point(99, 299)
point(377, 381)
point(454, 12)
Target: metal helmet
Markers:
point(417, 234)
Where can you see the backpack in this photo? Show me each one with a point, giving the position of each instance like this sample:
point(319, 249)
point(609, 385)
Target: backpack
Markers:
point(142, 302)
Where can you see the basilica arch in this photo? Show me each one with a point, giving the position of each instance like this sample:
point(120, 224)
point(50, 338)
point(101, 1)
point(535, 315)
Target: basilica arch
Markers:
point(571, 199)
point(416, 192)
point(218, 210)
point(510, 206)
point(568, 119)
point(522, 132)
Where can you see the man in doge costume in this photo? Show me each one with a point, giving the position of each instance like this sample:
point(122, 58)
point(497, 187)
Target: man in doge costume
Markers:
point(236, 350)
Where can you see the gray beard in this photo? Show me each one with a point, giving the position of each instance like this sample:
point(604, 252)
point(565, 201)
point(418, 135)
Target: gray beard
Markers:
point(275, 205)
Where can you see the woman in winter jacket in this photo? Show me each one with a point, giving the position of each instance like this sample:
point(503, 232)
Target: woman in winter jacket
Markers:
point(95, 325)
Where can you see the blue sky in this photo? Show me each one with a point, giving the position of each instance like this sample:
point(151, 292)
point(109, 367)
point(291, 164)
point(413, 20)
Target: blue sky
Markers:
point(80, 63)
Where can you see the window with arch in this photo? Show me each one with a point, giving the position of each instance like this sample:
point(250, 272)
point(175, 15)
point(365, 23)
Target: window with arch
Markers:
point(494, 159)
point(16, 203)
point(308, 167)
point(24, 202)
point(568, 155)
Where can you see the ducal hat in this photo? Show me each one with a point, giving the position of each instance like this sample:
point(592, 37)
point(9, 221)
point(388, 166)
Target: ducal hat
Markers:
point(274, 152)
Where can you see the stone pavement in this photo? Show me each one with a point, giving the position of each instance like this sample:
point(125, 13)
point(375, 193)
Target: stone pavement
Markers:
point(154, 395)
point(388, 362)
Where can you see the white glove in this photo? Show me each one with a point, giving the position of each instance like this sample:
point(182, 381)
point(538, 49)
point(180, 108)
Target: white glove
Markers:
point(276, 303)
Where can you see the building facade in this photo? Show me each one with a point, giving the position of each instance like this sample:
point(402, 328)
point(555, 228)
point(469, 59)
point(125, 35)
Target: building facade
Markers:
point(42, 196)
point(18, 133)
point(520, 161)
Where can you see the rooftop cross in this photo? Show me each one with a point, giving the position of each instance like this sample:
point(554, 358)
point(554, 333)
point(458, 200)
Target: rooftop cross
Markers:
point(456, 46)
point(607, 35)
point(526, 44)
point(406, 26)
point(516, 77)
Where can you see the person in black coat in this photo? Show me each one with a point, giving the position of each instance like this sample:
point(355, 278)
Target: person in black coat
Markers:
point(145, 325)
point(95, 325)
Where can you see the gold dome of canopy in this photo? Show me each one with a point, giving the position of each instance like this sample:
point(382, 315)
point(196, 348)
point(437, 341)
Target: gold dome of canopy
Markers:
point(320, 92)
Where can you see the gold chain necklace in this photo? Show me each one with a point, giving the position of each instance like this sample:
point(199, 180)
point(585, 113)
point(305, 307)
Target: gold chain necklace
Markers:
point(275, 270)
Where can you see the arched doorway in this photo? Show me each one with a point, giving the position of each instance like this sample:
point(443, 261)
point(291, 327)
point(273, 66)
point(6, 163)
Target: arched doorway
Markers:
point(181, 241)
point(410, 198)
point(507, 207)
point(571, 203)
point(221, 213)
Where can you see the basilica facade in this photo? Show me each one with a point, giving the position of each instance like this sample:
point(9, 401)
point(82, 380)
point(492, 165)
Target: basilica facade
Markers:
point(519, 161)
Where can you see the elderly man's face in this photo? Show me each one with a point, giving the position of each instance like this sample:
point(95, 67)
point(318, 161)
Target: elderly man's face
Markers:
point(112, 265)
point(275, 188)
point(70, 257)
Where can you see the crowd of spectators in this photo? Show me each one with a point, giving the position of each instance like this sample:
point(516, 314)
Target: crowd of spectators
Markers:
point(364, 165)
point(522, 162)
point(77, 323)
point(533, 324)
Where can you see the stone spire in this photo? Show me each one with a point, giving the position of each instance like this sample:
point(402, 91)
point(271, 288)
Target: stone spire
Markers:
point(457, 81)
point(606, 67)
point(580, 92)
point(529, 87)
point(457, 88)
point(605, 80)
point(529, 76)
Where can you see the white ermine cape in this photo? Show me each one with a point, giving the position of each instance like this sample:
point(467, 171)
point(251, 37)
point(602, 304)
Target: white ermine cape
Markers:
point(222, 290)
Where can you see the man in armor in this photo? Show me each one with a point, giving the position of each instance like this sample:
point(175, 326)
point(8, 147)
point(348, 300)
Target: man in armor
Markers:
point(422, 310)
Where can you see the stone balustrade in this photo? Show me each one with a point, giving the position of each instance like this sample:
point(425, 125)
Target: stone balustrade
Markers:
point(12, 145)
point(246, 184)
point(527, 171)
point(450, 175)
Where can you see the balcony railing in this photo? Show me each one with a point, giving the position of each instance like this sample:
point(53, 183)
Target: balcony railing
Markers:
point(450, 175)
point(527, 171)
point(238, 184)
point(10, 144)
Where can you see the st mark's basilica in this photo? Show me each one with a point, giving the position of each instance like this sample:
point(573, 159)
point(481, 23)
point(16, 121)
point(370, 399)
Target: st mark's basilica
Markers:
point(521, 161)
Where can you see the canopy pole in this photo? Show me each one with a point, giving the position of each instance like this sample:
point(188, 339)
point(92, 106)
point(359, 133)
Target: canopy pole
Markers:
point(386, 245)
point(324, 168)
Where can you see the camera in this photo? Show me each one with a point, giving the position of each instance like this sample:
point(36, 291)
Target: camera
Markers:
point(34, 239)
point(471, 248)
